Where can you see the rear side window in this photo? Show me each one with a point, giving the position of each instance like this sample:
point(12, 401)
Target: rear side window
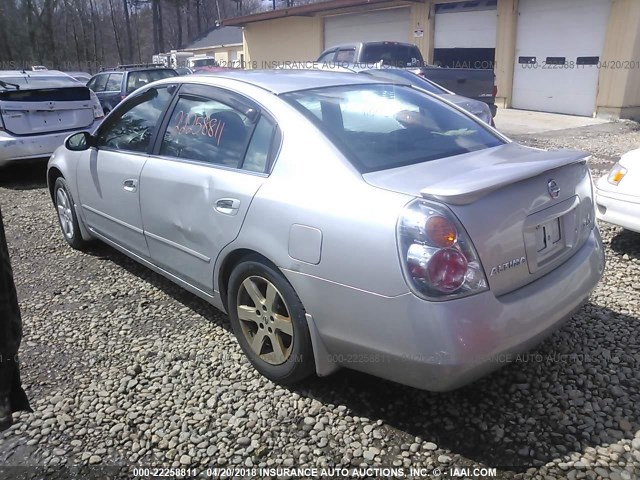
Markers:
point(257, 156)
point(114, 84)
point(133, 125)
point(386, 126)
point(140, 79)
point(98, 83)
point(327, 57)
point(207, 131)
point(346, 55)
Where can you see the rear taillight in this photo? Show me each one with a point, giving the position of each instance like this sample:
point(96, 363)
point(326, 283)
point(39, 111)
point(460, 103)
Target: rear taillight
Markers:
point(438, 259)
point(98, 113)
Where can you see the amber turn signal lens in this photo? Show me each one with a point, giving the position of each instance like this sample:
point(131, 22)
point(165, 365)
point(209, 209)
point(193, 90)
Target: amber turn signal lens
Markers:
point(440, 231)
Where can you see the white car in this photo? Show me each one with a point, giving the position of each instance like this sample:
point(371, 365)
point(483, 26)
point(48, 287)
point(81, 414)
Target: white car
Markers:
point(38, 110)
point(618, 194)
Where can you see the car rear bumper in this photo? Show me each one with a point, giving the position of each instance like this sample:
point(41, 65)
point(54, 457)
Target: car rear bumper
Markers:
point(16, 148)
point(618, 209)
point(441, 346)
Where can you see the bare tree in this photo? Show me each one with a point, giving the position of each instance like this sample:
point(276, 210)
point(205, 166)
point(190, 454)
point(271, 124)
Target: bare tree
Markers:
point(83, 33)
point(127, 21)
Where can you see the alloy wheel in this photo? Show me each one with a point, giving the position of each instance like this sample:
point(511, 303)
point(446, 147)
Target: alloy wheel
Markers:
point(63, 205)
point(265, 320)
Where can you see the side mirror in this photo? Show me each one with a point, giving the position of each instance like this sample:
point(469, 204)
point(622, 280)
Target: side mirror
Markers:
point(79, 142)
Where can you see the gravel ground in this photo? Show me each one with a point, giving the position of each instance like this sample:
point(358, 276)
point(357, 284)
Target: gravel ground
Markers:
point(124, 368)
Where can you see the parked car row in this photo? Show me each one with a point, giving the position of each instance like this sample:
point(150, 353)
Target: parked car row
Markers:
point(112, 86)
point(268, 193)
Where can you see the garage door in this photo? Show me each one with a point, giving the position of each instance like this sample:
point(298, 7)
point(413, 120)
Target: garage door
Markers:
point(392, 25)
point(465, 34)
point(558, 46)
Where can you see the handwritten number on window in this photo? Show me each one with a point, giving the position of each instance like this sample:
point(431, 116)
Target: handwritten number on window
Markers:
point(196, 124)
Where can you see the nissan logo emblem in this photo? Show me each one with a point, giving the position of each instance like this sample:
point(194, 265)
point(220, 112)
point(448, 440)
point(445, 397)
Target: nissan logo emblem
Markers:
point(553, 188)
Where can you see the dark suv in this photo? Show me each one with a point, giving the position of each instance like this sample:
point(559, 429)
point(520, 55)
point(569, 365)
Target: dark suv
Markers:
point(113, 85)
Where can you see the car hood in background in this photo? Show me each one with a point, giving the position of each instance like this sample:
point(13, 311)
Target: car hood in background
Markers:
point(469, 104)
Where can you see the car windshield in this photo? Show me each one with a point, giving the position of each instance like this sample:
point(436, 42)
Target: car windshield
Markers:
point(142, 78)
point(382, 126)
point(30, 82)
point(396, 54)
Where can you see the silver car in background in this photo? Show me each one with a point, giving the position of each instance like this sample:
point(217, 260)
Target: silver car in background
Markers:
point(341, 221)
point(39, 109)
point(474, 107)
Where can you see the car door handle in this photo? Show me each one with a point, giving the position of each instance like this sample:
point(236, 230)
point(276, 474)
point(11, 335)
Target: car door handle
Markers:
point(130, 185)
point(228, 206)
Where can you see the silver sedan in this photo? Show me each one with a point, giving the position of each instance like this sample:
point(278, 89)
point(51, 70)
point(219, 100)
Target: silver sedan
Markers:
point(340, 220)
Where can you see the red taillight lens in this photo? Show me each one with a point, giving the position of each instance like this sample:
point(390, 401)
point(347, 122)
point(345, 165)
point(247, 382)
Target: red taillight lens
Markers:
point(446, 270)
point(440, 231)
point(438, 257)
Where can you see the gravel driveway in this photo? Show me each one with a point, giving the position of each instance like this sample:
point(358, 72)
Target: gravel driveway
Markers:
point(123, 367)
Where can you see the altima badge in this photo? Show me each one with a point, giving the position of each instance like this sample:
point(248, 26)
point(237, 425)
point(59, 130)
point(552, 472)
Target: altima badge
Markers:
point(553, 188)
point(516, 262)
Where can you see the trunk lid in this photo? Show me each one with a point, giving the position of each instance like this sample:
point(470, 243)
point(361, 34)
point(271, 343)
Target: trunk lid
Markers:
point(50, 110)
point(526, 210)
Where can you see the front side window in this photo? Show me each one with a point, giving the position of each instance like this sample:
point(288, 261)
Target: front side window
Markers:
point(207, 131)
point(114, 83)
point(386, 126)
point(132, 127)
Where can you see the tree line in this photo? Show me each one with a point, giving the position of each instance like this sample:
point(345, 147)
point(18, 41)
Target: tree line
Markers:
point(86, 35)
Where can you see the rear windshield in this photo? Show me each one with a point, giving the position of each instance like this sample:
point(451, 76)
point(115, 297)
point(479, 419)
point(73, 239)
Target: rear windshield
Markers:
point(393, 54)
point(384, 126)
point(142, 78)
point(204, 62)
point(39, 81)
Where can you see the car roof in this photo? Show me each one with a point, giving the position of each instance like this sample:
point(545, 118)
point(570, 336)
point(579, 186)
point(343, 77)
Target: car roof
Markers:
point(30, 73)
point(134, 69)
point(284, 81)
point(357, 44)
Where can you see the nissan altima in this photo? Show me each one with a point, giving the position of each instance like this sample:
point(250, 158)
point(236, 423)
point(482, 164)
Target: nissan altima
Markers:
point(339, 220)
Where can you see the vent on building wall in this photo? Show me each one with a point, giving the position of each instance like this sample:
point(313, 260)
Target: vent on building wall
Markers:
point(466, 6)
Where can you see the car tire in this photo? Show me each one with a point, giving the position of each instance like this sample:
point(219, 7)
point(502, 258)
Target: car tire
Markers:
point(67, 218)
point(269, 321)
